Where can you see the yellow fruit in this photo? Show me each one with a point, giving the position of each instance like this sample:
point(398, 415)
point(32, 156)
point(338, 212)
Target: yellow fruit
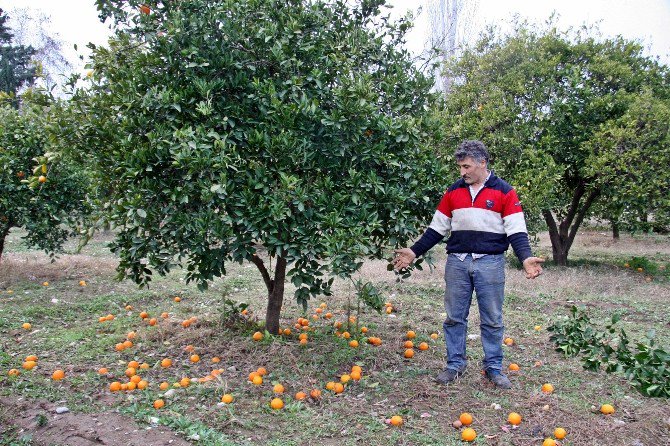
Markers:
point(227, 398)
point(548, 442)
point(26, 326)
point(468, 434)
point(607, 409)
point(82, 283)
point(547, 388)
point(396, 420)
point(345, 379)
point(560, 433)
point(257, 380)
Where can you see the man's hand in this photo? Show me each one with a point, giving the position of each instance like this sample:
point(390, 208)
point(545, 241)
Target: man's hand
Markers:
point(533, 267)
point(404, 258)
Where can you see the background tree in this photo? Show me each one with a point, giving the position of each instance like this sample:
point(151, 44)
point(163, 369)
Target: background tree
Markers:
point(49, 211)
point(16, 68)
point(33, 29)
point(540, 100)
point(246, 130)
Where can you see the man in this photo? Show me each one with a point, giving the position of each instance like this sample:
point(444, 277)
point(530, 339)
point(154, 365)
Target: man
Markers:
point(484, 216)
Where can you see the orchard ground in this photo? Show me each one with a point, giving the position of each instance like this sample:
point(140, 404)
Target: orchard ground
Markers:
point(66, 334)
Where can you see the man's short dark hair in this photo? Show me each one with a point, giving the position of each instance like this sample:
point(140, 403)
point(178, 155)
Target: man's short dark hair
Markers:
point(473, 149)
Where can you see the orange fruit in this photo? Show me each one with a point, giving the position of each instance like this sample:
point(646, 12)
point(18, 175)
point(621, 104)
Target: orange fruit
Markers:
point(115, 386)
point(353, 343)
point(185, 382)
point(338, 388)
point(164, 385)
point(58, 375)
point(127, 343)
point(31, 358)
point(356, 376)
point(303, 341)
point(119, 347)
point(299, 396)
point(364, 330)
point(158, 404)
point(153, 321)
point(26, 326)
point(639, 270)
point(514, 419)
point(607, 409)
point(423, 346)
point(548, 442)
point(103, 371)
point(131, 335)
point(409, 353)
point(144, 315)
point(262, 371)
point(396, 420)
point(411, 334)
point(45, 283)
point(433, 336)
point(177, 299)
point(166, 362)
point(227, 398)
point(560, 433)
point(195, 358)
point(134, 364)
point(186, 323)
point(129, 307)
point(508, 341)
point(130, 371)
point(29, 365)
point(144, 366)
point(468, 434)
point(408, 344)
point(302, 336)
point(346, 335)
point(124, 386)
point(465, 419)
point(257, 380)
point(82, 283)
point(356, 368)
point(328, 315)
point(13, 372)
point(316, 393)
point(547, 388)
point(135, 379)
point(102, 319)
point(330, 385)
point(278, 388)
point(216, 360)
point(389, 310)
point(287, 332)
point(276, 403)
point(257, 336)
point(345, 379)
point(142, 384)
point(514, 367)
point(164, 315)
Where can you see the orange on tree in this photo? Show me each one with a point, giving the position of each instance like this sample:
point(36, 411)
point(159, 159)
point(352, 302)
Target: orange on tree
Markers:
point(465, 418)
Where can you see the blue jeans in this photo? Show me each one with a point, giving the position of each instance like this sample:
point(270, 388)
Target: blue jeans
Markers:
point(485, 276)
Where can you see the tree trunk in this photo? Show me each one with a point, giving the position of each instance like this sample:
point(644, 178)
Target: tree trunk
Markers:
point(3, 235)
point(563, 234)
point(275, 288)
point(615, 230)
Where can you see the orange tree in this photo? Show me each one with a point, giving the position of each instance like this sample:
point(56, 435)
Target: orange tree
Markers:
point(47, 200)
point(558, 111)
point(243, 130)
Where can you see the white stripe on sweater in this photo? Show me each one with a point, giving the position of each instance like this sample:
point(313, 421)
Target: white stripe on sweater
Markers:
point(440, 223)
point(477, 219)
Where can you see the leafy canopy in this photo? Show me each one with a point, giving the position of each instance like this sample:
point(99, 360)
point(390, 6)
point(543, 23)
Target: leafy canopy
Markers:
point(234, 128)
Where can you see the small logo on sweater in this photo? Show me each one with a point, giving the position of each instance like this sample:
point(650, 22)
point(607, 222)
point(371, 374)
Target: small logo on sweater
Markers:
point(489, 204)
point(518, 203)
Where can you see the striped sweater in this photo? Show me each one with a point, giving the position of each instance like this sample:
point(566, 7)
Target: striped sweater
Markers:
point(486, 225)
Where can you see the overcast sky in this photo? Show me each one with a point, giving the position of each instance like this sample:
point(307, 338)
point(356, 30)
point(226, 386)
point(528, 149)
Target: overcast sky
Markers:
point(648, 21)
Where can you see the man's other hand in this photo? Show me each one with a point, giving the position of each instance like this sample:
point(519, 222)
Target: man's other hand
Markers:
point(403, 258)
point(533, 267)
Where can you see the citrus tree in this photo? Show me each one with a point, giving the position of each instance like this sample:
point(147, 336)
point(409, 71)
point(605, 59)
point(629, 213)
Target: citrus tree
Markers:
point(545, 101)
point(47, 200)
point(290, 134)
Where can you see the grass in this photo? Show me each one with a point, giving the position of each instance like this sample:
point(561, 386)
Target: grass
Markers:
point(66, 334)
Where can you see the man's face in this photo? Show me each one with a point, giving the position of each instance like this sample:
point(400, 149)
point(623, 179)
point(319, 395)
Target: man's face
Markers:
point(473, 173)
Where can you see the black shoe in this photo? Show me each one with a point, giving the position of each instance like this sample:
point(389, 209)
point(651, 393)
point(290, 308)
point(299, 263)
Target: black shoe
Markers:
point(448, 376)
point(498, 379)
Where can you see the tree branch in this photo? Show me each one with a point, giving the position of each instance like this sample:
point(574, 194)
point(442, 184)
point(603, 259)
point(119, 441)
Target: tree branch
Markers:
point(264, 271)
point(581, 214)
point(572, 210)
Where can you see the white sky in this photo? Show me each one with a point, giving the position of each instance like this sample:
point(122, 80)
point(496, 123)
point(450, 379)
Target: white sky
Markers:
point(648, 21)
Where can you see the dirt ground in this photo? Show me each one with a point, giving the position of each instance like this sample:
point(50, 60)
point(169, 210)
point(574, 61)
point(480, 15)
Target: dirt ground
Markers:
point(40, 421)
